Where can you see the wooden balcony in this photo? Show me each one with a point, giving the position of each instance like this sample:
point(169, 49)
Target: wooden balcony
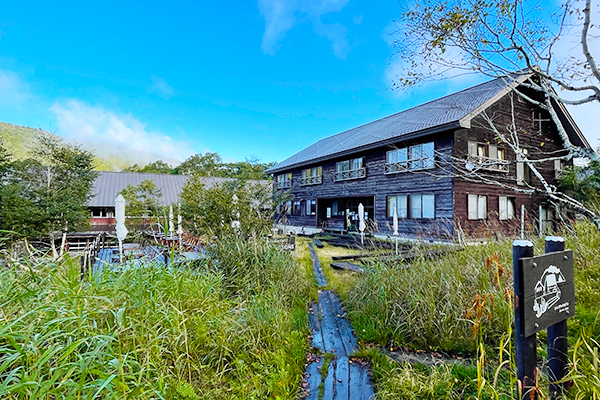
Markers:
point(311, 180)
point(492, 164)
point(283, 184)
point(392, 168)
point(351, 174)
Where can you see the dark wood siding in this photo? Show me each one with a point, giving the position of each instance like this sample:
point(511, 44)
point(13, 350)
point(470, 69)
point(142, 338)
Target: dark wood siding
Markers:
point(380, 185)
point(540, 144)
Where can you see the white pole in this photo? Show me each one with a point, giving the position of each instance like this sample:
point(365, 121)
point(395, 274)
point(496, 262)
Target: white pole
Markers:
point(522, 221)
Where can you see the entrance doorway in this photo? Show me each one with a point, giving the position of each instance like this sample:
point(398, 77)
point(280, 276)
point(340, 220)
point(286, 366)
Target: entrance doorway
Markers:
point(342, 213)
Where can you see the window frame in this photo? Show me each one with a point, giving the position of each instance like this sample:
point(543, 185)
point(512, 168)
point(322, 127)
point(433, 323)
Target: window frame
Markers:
point(347, 170)
point(419, 199)
point(311, 176)
point(480, 204)
point(417, 157)
point(395, 201)
point(284, 180)
point(309, 207)
point(487, 156)
point(504, 212)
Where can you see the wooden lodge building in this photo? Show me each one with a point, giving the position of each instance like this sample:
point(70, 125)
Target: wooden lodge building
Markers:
point(436, 164)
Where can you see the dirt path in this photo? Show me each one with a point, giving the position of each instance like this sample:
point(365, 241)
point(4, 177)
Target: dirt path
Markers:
point(332, 334)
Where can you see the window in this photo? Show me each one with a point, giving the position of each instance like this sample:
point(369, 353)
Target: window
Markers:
point(284, 181)
point(422, 206)
point(396, 161)
point(506, 208)
point(523, 171)
point(350, 169)
point(400, 203)
point(334, 207)
point(311, 207)
point(477, 207)
point(420, 156)
point(312, 176)
point(558, 168)
point(296, 206)
point(487, 156)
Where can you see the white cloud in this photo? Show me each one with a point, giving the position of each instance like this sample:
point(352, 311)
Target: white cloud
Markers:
point(161, 87)
point(281, 16)
point(83, 122)
point(13, 91)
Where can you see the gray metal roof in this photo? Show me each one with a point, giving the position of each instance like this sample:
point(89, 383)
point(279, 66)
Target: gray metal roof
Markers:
point(109, 184)
point(449, 112)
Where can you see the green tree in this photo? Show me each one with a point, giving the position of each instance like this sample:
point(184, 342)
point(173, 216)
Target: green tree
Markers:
point(143, 200)
point(50, 192)
point(583, 184)
point(212, 210)
point(212, 165)
point(156, 167)
point(208, 164)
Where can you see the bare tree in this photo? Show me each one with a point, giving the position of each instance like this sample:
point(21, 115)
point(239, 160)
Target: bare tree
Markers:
point(513, 40)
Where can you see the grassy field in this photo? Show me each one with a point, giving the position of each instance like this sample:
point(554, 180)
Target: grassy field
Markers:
point(461, 304)
point(234, 327)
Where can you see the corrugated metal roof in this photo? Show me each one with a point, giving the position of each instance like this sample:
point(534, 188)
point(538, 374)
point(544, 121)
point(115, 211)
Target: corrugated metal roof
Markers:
point(109, 184)
point(423, 118)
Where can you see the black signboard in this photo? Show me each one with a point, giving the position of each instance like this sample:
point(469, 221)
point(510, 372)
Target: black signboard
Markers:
point(549, 290)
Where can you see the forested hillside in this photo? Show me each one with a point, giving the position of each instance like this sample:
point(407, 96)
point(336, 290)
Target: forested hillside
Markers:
point(18, 139)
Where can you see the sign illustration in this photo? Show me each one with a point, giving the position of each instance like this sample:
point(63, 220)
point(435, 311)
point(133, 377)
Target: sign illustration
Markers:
point(547, 291)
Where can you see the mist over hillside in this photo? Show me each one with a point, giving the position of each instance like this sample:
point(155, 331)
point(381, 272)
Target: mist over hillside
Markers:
point(18, 139)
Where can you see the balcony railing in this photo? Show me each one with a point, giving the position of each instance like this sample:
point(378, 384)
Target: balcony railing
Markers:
point(351, 174)
point(493, 164)
point(311, 180)
point(391, 168)
point(283, 184)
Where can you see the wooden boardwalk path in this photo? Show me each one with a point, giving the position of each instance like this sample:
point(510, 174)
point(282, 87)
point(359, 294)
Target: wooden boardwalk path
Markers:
point(332, 333)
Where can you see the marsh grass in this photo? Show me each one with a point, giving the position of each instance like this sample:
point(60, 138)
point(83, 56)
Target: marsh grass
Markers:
point(232, 329)
point(461, 304)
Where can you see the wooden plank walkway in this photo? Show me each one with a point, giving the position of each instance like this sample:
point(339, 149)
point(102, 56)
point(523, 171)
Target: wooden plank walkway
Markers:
point(347, 265)
point(321, 280)
point(345, 379)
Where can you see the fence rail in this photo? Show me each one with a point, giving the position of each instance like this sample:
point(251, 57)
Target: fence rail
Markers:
point(352, 174)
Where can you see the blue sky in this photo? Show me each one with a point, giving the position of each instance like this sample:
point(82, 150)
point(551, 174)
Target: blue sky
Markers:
point(262, 78)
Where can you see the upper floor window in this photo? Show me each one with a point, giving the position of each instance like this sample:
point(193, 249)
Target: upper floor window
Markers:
point(419, 156)
point(350, 169)
point(312, 176)
point(523, 170)
point(284, 181)
point(488, 156)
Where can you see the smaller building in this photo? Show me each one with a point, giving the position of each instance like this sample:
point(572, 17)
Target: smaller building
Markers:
point(109, 184)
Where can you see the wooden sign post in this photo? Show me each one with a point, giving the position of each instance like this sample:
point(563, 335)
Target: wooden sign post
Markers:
point(544, 298)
